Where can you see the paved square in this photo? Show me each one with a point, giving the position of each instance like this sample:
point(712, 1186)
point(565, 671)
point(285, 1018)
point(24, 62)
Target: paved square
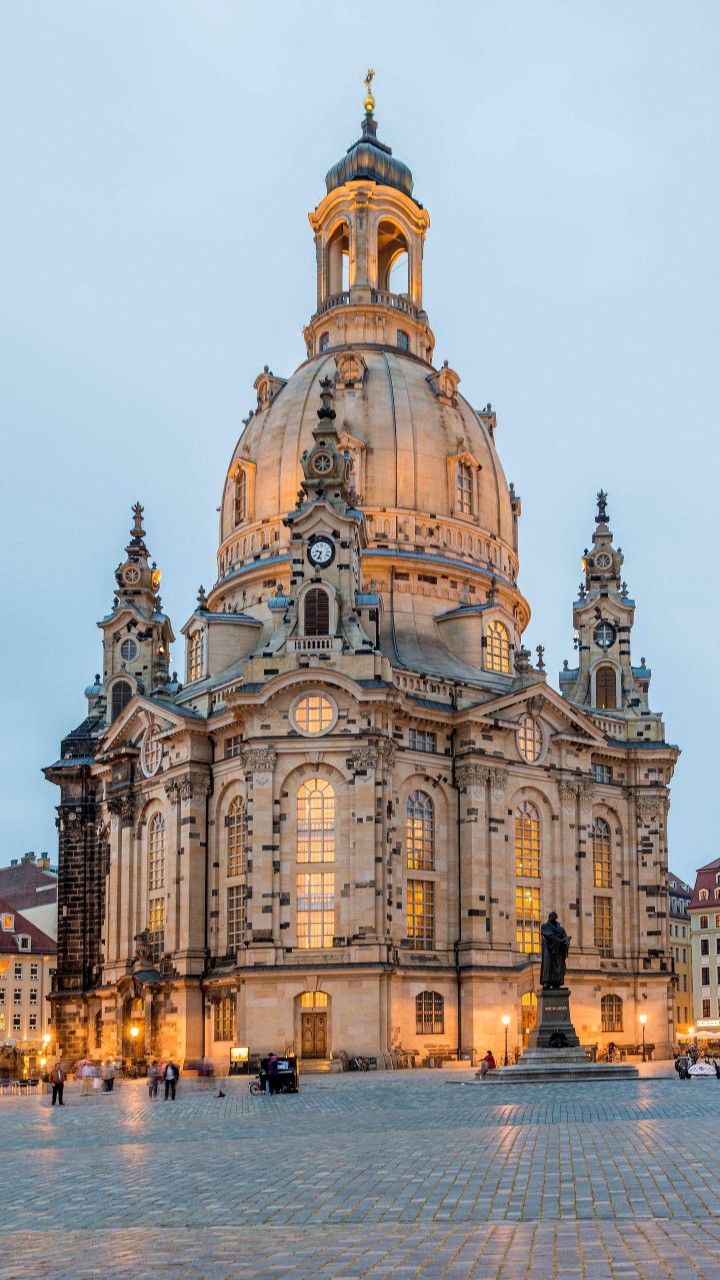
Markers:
point(411, 1174)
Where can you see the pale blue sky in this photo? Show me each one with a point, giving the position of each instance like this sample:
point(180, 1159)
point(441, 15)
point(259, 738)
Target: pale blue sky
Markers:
point(159, 158)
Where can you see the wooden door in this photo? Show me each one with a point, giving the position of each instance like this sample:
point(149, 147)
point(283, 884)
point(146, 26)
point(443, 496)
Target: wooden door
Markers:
point(314, 1035)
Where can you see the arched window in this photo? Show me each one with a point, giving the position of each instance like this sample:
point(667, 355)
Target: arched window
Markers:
point(240, 496)
point(528, 1012)
point(527, 841)
point(703, 895)
point(196, 656)
point(338, 260)
point(611, 1013)
point(605, 687)
point(324, 341)
point(429, 1014)
point(464, 489)
point(316, 821)
point(602, 877)
point(235, 822)
point(497, 650)
point(156, 852)
point(403, 340)
point(316, 607)
point(121, 695)
point(392, 259)
point(420, 832)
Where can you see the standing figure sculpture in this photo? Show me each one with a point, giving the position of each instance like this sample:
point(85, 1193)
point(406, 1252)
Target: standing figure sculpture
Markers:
point(555, 947)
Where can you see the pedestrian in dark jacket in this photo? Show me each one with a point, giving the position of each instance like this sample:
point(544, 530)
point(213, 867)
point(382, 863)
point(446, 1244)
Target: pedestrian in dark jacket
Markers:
point(57, 1080)
point(171, 1076)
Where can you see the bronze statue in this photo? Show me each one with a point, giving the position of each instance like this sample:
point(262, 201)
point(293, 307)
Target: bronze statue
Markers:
point(555, 947)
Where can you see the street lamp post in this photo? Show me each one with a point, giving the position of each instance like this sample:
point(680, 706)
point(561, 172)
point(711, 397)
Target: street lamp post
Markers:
point(643, 1020)
point(506, 1024)
point(134, 1033)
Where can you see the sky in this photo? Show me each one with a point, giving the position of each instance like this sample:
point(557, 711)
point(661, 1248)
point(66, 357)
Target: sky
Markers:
point(160, 158)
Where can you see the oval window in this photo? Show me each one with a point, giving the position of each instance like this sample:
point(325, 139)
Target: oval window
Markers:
point(530, 739)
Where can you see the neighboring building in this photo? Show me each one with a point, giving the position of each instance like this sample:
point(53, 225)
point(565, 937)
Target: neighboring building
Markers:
point(343, 831)
point(679, 895)
point(705, 914)
point(31, 886)
point(27, 964)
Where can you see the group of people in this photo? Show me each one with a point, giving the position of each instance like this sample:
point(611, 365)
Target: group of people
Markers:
point(98, 1077)
point(169, 1073)
point(686, 1059)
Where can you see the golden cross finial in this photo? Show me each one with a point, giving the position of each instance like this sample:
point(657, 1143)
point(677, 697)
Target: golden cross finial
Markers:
point(369, 101)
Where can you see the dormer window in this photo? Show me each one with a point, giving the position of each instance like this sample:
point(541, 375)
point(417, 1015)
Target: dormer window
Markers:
point(403, 340)
point(703, 895)
point(240, 497)
point(464, 489)
point(497, 651)
point(324, 341)
point(196, 656)
point(7, 922)
point(119, 698)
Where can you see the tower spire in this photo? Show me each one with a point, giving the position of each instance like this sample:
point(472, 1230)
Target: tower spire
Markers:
point(369, 99)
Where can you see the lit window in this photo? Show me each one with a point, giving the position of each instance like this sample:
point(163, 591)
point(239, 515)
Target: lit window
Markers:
point(528, 1012)
point(527, 912)
point(314, 714)
point(429, 1014)
point(128, 649)
point(196, 656)
point(605, 688)
point(151, 753)
point(419, 832)
point(530, 739)
point(7, 922)
point(418, 740)
point(527, 840)
point(315, 909)
point(464, 486)
point(497, 649)
point(717, 922)
point(225, 1019)
point(602, 878)
point(119, 698)
point(316, 821)
point(156, 852)
point(705, 1010)
point(611, 1013)
point(236, 916)
point(240, 496)
point(703, 895)
point(314, 1000)
point(236, 838)
point(421, 914)
point(156, 927)
point(316, 611)
point(602, 916)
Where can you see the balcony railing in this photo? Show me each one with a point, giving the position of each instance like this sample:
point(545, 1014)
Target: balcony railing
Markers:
point(398, 301)
point(315, 644)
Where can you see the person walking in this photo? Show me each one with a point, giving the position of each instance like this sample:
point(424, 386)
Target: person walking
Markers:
point(57, 1080)
point(108, 1075)
point(86, 1075)
point(488, 1064)
point(153, 1078)
point(171, 1075)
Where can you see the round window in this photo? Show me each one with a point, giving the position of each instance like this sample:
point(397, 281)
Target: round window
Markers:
point(530, 739)
point(128, 650)
point(151, 753)
point(605, 635)
point(314, 714)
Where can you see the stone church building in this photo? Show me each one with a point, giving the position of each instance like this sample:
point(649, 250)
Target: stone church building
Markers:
point(342, 828)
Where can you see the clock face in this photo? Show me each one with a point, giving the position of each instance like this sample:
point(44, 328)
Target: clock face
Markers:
point(131, 574)
point(604, 635)
point(321, 552)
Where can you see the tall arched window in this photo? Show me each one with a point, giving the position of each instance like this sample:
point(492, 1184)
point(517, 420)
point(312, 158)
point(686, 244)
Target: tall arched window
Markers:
point(240, 496)
point(605, 687)
point(429, 1014)
point(316, 608)
point(196, 656)
point(611, 1013)
point(156, 852)
point(235, 822)
point(392, 259)
point(602, 875)
point(497, 651)
point(420, 832)
point(464, 488)
point(527, 841)
point(528, 1012)
point(121, 695)
point(316, 821)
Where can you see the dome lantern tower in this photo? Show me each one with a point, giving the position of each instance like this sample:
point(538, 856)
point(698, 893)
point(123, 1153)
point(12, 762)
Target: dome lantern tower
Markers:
point(369, 235)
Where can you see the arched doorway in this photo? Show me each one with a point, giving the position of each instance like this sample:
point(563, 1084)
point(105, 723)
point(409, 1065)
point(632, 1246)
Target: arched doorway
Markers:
point(314, 1038)
point(133, 1031)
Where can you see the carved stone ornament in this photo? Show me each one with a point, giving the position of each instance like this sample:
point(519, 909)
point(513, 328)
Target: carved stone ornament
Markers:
point(259, 760)
point(472, 774)
point(650, 808)
point(445, 384)
point(572, 789)
point(365, 759)
point(351, 369)
point(193, 786)
point(123, 807)
point(267, 386)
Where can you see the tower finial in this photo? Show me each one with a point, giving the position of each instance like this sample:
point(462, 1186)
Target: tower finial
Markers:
point(602, 507)
point(137, 530)
point(369, 100)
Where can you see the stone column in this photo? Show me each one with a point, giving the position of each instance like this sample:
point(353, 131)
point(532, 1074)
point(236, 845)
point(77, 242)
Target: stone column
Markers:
point(192, 870)
point(263, 845)
point(368, 880)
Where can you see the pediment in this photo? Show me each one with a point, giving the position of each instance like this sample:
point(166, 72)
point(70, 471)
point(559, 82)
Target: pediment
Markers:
point(135, 719)
point(540, 700)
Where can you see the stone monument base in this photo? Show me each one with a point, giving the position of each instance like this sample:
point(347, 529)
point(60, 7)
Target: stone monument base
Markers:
point(554, 1053)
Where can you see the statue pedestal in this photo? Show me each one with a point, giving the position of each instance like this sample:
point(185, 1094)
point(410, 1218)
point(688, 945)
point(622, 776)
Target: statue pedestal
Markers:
point(553, 1027)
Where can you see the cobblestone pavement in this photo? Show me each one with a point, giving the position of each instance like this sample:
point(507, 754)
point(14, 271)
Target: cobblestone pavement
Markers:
point(409, 1175)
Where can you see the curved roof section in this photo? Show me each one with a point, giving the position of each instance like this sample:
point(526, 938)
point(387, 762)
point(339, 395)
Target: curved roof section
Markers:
point(371, 159)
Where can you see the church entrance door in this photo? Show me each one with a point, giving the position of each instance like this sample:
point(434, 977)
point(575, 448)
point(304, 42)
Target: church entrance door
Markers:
point(314, 1035)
